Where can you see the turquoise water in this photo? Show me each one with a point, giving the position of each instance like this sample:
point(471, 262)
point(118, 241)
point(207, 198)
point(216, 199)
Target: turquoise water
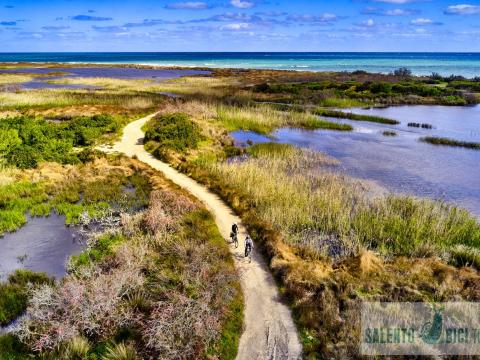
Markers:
point(465, 64)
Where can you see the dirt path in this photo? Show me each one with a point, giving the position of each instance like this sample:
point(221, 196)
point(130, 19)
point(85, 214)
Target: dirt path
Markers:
point(269, 329)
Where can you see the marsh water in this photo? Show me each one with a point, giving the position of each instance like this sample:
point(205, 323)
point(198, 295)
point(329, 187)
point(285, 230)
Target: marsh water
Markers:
point(108, 72)
point(402, 163)
point(43, 244)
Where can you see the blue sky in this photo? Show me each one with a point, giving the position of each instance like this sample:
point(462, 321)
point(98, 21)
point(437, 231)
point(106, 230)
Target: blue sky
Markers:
point(239, 25)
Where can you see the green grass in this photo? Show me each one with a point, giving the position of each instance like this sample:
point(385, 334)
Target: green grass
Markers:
point(315, 124)
point(271, 150)
point(355, 117)
point(265, 119)
point(12, 349)
point(450, 142)
point(102, 248)
point(14, 293)
point(70, 197)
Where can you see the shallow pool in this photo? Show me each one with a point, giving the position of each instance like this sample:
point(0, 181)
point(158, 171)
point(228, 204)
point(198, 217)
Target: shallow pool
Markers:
point(108, 72)
point(43, 244)
point(402, 163)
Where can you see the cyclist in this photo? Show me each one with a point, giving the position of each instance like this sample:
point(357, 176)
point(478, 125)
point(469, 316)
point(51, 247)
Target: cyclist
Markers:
point(235, 228)
point(248, 245)
point(234, 234)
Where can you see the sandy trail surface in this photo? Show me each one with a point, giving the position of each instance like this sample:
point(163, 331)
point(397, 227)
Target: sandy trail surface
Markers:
point(269, 332)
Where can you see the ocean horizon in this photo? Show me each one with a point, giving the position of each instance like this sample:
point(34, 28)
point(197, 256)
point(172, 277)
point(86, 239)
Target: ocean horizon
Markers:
point(420, 63)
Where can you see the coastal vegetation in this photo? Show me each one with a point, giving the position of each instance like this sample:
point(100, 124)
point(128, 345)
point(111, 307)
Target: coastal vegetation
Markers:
point(171, 132)
point(450, 142)
point(355, 117)
point(330, 242)
point(70, 191)
point(25, 140)
point(156, 280)
point(368, 89)
point(14, 293)
point(162, 281)
point(264, 119)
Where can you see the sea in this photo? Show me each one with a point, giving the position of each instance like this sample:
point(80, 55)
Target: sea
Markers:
point(445, 64)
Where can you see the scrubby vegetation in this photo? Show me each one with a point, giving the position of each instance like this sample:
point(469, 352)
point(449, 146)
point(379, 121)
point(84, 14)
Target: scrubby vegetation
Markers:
point(171, 132)
point(158, 283)
point(450, 142)
point(332, 245)
point(93, 188)
point(331, 89)
point(166, 290)
point(26, 141)
point(330, 242)
point(161, 280)
point(14, 293)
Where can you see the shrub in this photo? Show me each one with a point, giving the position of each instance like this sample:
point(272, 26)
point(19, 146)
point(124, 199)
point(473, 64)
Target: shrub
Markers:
point(25, 141)
point(402, 72)
point(14, 293)
point(173, 131)
point(12, 349)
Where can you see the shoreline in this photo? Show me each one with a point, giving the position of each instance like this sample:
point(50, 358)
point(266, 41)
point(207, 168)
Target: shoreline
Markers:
point(299, 70)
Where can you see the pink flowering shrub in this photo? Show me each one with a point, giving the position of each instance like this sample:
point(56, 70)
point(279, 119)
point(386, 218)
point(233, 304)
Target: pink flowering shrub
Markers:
point(165, 211)
point(90, 303)
point(173, 292)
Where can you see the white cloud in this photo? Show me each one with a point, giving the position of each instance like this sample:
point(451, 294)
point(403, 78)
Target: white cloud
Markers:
point(396, 1)
point(421, 21)
point(191, 5)
point(463, 9)
point(236, 26)
point(367, 23)
point(242, 4)
point(322, 18)
point(388, 12)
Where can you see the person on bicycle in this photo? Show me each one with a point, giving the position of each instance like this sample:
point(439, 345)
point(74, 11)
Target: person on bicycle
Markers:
point(235, 228)
point(248, 245)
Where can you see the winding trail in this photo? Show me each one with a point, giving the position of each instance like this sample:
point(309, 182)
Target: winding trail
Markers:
point(270, 332)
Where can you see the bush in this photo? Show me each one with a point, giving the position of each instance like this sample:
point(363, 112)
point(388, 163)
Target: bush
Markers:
point(173, 131)
point(403, 72)
point(25, 141)
point(13, 293)
point(12, 349)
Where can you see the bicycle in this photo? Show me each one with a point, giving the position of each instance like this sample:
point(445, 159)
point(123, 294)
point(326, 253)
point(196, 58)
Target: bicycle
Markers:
point(234, 238)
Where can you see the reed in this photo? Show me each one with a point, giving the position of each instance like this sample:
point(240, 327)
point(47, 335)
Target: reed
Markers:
point(355, 117)
point(282, 185)
point(450, 142)
point(264, 119)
